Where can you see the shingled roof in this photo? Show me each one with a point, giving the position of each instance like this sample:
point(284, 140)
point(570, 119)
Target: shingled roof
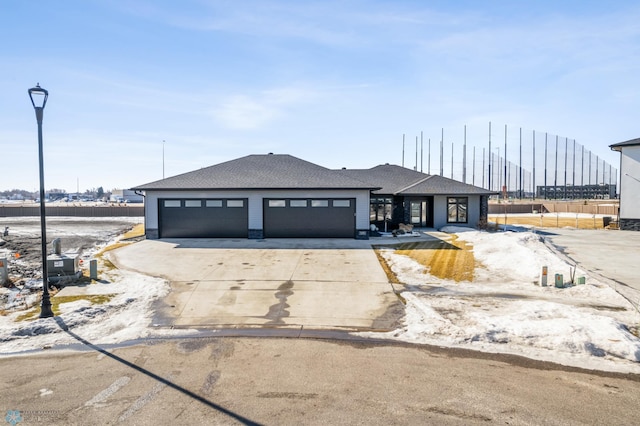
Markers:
point(271, 171)
point(618, 146)
point(398, 180)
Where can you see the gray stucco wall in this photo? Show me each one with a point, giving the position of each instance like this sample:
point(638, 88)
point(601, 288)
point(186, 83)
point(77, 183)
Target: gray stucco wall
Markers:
point(440, 211)
point(630, 183)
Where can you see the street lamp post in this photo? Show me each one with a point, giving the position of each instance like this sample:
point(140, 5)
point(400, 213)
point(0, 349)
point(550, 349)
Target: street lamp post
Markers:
point(39, 97)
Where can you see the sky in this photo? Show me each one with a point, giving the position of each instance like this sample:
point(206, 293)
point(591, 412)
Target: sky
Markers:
point(143, 89)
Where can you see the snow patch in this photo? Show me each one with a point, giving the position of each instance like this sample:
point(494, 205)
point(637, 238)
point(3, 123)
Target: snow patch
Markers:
point(504, 310)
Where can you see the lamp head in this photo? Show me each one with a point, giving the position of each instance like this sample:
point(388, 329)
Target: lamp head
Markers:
point(38, 96)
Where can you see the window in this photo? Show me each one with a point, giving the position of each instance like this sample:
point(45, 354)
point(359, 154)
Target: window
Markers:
point(172, 203)
point(341, 203)
point(457, 209)
point(319, 203)
point(193, 203)
point(277, 203)
point(298, 203)
point(235, 203)
point(380, 208)
point(214, 203)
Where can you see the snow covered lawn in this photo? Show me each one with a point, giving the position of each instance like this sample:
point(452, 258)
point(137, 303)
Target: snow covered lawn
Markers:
point(504, 310)
point(125, 315)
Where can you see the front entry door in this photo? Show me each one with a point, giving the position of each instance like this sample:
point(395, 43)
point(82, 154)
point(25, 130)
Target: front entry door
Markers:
point(419, 213)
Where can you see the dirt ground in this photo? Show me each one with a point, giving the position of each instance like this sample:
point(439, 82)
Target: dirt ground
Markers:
point(20, 241)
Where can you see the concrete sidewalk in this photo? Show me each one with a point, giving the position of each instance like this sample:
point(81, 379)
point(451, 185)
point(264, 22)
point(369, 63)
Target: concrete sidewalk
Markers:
point(609, 254)
point(315, 284)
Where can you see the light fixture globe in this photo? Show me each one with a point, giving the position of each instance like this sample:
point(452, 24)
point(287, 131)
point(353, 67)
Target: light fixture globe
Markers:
point(38, 96)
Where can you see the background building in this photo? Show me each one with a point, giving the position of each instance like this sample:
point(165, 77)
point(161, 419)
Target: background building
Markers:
point(629, 183)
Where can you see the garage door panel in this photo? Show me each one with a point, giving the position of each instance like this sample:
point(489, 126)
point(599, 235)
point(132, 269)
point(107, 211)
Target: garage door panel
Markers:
point(315, 218)
point(206, 219)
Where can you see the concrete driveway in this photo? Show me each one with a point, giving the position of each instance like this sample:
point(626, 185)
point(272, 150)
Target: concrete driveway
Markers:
point(609, 254)
point(311, 284)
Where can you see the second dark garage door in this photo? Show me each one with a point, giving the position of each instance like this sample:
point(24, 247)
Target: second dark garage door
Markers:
point(309, 218)
point(203, 218)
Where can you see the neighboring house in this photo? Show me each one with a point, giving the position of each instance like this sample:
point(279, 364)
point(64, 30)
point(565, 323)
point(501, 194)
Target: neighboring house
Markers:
point(629, 214)
point(278, 196)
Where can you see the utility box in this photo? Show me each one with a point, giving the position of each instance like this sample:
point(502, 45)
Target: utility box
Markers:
point(63, 267)
point(4, 275)
point(559, 281)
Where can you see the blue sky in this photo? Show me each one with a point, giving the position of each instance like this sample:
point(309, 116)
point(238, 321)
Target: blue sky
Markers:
point(333, 82)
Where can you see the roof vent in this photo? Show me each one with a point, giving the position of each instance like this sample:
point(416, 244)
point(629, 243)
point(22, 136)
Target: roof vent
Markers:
point(271, 153)
point(386, 164)
point(344, 168)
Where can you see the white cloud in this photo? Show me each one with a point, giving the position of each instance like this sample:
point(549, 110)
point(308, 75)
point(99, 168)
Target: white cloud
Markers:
point(243, 112)
point(250, 112)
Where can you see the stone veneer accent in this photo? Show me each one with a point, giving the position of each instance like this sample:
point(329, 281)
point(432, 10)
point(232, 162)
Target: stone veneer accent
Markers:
point(484, 208)
point(256, 234)
point(362, 234)
point(629, 224)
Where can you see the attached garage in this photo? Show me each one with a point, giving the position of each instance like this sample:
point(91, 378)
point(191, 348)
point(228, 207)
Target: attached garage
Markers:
point(258, 196)
point(203, 218)
point(309, 217)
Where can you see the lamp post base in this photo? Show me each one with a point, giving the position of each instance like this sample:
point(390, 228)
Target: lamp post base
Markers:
point(45, 309)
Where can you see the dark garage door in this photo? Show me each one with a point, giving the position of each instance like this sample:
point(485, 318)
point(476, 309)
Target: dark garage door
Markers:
point(203, 218)
point(309, 217)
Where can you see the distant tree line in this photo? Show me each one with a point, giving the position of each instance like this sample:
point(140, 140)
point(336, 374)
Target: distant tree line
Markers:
point(22, 194)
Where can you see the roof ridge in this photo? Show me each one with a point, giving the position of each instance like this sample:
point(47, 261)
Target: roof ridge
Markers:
point(414, 184)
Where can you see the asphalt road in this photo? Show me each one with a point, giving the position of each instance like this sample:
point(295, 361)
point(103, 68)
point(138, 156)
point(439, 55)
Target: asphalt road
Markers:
point(305, 381)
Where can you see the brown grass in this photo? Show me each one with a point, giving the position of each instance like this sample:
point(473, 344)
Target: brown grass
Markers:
point(548, 220)
point(391, 276)
point(135, 232)
point(96, 299)
point(451, 260)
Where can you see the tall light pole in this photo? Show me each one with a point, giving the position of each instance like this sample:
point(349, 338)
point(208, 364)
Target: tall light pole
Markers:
point(39, 97)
